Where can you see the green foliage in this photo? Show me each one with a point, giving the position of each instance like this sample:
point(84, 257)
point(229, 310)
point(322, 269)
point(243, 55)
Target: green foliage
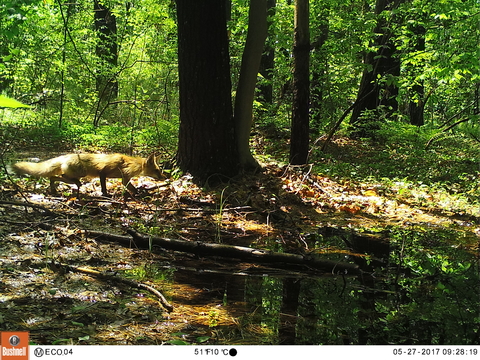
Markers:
point(398, 152)
point(48, 60)
point(442, 281)
point(6, 102)
point(427, 294)
point(150, 272)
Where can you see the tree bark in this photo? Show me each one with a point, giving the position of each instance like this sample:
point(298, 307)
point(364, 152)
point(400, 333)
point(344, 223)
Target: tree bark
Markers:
point(207, 145)
point(282, 260)
point(252, 54)
point(267, 63)
point(300, 132)
point(376, 87)
point(106, 51)
point(320, 70)
point(238, 252)
point(417, 101)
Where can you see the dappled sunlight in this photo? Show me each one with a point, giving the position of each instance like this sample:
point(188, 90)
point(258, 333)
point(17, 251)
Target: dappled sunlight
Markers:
point(286, 209)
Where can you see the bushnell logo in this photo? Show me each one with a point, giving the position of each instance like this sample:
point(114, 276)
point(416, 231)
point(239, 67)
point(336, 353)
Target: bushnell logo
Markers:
point(14, 340)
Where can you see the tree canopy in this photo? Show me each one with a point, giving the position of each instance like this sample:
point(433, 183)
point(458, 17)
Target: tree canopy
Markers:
point(51, 56)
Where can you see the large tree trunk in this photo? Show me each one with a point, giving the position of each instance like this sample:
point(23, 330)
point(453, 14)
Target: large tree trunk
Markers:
point(376, 88)
point(417, 100)
point(300, 135)
point(267, 63)
point(107, 52)
point(207, 144)
point(252, 54)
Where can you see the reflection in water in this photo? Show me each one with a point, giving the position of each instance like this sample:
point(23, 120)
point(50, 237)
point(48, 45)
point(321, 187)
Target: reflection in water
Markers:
point(419, 287)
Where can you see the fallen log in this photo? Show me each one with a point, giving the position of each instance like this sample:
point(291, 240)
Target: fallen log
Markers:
point(242, 253)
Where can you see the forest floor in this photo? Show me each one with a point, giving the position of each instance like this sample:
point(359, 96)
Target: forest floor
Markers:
point(48, 249)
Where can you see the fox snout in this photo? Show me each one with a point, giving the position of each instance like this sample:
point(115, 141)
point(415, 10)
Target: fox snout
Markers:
point(159, 174)
point(155, 170)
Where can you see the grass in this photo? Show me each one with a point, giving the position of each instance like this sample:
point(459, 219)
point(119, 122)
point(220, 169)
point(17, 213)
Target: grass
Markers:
point(34, 130)
point(399, 159)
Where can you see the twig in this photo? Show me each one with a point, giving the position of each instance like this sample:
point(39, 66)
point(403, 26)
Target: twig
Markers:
point(129, 282)
point(26, 204)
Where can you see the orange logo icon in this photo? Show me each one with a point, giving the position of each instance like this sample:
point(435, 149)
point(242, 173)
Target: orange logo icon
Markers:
point(14, 345)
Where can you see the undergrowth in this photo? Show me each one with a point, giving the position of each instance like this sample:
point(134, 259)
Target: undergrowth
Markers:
point(399, 158)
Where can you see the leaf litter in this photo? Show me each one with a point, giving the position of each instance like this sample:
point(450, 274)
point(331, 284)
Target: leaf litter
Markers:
point(274, 209)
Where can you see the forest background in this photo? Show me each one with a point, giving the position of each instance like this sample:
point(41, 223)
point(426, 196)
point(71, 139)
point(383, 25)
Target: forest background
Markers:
point(110, 81)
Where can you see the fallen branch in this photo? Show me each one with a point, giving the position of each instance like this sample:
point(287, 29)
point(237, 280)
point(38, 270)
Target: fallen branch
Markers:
point(434, 137)
point(26, 204)
point(118, 279)
point(239, 252)
point(124, 240)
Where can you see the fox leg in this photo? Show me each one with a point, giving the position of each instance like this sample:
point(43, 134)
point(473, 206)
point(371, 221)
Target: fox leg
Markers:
point(78, 183)
point(103, 184)
point(53, 188)
point(129, 186)
point(126, 183)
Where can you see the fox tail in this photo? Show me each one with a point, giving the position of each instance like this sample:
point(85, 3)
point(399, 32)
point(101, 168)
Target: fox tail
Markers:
point(42, 169)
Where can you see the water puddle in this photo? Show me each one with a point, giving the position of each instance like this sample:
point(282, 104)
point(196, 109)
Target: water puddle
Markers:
point(417, 286)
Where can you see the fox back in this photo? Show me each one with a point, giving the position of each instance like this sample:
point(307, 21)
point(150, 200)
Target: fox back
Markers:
point(70, 168)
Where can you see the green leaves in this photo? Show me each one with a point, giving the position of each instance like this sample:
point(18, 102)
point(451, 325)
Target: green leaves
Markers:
point(6, 102)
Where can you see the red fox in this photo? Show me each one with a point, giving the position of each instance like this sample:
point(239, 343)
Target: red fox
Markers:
point(70, 168)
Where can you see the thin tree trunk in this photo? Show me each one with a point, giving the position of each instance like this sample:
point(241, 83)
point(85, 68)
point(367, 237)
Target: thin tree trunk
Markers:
point(64, 57)
point(417, 104)
point(300, 133)
point(267, 63)
point(252, 54)
point(319, 72)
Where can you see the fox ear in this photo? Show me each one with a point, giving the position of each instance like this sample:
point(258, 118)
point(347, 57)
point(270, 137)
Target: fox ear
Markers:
point(151, 159)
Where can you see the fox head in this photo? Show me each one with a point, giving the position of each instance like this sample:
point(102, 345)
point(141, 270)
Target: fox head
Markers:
point(152, 169)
